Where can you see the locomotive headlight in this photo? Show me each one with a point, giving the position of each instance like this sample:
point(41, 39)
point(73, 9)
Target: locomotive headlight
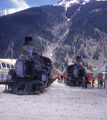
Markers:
point(44, 77)
point(9, 77)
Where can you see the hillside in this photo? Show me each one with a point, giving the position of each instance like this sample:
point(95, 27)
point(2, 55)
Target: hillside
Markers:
point(37, 22)
point(59, 34)
point(87, 35)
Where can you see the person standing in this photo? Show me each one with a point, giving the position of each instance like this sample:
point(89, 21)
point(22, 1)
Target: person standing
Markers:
point(89, 80)
point(86, 80)
point(93, 80)
point(83, 82)
point(99, 81)
point(59, 78)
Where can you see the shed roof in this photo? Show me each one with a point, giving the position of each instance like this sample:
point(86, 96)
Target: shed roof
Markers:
point(99, 66)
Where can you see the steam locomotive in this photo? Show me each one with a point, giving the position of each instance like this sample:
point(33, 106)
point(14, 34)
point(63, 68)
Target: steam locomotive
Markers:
point(75, 73)
point(32, 73)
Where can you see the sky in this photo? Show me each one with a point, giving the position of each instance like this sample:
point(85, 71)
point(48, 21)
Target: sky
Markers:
point(23, 4)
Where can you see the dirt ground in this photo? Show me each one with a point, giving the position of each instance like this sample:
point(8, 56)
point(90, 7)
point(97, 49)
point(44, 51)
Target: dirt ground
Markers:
point(58, 102)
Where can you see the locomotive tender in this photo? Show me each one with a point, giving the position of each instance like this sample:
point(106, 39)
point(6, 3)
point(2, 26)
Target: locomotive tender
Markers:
point(32, 73)
point(74, 73)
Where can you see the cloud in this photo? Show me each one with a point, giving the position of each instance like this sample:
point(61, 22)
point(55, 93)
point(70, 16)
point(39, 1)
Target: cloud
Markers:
point(21, 4)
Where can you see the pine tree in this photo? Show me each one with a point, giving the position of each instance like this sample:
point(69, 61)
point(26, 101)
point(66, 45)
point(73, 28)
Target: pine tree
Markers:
point(87, 65)
point(89, 53)
point(84, 45)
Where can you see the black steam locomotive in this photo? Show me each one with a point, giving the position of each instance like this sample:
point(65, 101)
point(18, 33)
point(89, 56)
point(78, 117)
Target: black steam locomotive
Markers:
point(75, 73)
point(32, 73)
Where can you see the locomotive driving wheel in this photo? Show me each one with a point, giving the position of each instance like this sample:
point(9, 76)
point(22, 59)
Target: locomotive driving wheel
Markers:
point(20, 88)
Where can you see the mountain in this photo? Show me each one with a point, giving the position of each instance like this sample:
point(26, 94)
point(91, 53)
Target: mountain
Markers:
point(87, 34)
point(41, 23)
point(69, 3)
point(8, 11)
point(59, 34)
point(64, 3)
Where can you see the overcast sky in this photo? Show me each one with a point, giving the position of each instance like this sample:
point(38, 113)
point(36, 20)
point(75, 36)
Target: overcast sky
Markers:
point(5, 4)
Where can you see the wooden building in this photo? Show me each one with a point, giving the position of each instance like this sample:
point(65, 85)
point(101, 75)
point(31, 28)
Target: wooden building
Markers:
point(100, 70)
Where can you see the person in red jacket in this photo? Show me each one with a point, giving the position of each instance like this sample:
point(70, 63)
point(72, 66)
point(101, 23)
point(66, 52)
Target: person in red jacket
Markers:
point(93, 80)
point(83, 82)
point(59, 78)
point(89, 80)
point(99, 77)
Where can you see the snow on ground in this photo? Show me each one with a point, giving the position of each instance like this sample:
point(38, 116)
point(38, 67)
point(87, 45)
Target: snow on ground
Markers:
point(58, 102)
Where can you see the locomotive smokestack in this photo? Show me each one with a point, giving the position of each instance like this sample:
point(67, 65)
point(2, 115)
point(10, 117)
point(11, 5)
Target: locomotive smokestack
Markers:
point(28, 45)
point(78, 59)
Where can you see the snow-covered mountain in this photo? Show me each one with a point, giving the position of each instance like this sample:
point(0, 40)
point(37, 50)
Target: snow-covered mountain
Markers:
point(68, 3)
point(65, 3)
point(8, 11)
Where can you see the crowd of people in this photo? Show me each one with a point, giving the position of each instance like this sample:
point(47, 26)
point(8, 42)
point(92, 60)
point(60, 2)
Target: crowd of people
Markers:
point(88, 81)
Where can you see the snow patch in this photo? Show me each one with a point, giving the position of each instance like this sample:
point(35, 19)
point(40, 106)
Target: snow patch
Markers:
point(9, 11)
point(95, 10)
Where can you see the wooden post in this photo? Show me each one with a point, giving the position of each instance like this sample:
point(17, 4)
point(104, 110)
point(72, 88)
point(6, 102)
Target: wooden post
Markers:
point(6, 87)
point(104, 84)
point(92, 84)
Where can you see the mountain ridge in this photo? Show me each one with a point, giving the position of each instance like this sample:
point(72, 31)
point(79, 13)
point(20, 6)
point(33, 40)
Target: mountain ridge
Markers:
point(9, 11)
point(68, 3)
point(65, 3)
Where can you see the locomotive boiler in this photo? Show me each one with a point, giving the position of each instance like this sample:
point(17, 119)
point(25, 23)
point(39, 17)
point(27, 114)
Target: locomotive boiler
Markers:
point(32, 73)
point(75, 73)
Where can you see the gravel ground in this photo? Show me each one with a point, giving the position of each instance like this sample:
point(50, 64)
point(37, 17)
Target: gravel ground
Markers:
point(58, 102)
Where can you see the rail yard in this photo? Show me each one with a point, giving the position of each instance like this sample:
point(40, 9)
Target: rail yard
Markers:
point(58, 102)
point(32, 90)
